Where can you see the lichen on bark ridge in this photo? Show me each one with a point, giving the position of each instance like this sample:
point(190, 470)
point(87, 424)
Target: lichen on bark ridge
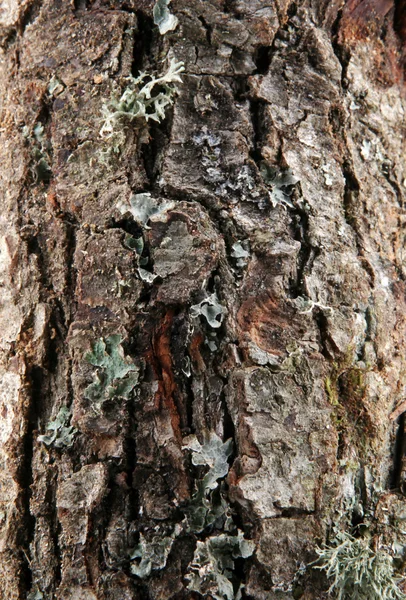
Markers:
point(313, 89)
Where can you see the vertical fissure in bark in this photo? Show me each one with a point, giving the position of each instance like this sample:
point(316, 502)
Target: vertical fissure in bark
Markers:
point(343, 54)
point(262, 60)
point(307, 253)
point(325, 340)
point(143, 51)
point(29, 15)
point(69, 306)
point(351, 202)
point(399, 451)
point(208, 28)
point(399, 25)
point(256, 111)
point(35, 378)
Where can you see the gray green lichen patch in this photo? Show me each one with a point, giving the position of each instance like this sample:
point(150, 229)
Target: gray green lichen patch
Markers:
point(35, 595)
point(281, 183)
point(153, 552)
point(211, 309)
point(116, 374)
point(40, 151)
point(358, 571)
point(206, 506)
point(240, 254)
point(55, 87)
point(165, 20)
point(61, 433)
point(143, 206)
point(211, 570)
point(146, 97)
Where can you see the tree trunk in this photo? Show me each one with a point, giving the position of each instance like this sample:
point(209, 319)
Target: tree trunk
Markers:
point(224, 262)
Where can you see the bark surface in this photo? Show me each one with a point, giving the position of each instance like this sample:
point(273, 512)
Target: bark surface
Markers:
point(269, 308)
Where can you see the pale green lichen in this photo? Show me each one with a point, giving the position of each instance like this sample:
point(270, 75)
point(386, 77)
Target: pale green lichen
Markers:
point(146, 97)
point(165, 20)
point(62, 434)
point(35, 595)
point(151, 554)
point(116, 374)
point(206, 507)
point(146, 276)
point(211, 570)
point(40, 151)
point(211, 309)
point(55, 87)
point(306, 305)
point(358, 571)
point(281, 184)
point(136, 244)
point(240, 254)
point(143, 207)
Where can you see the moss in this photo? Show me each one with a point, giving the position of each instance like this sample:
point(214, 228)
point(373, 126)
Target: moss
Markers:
point(331, 391)
point(346, 388)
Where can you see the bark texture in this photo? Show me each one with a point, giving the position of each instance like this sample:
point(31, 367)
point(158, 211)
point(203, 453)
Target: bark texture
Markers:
point(306, 371)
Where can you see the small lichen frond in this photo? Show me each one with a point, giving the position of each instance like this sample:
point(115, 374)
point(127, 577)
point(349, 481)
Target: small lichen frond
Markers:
point(145, 97)
point(61, 433)
point(206, 506)
point(165, 20)
point(116, 375)
point(211, 570)
point(358, 572)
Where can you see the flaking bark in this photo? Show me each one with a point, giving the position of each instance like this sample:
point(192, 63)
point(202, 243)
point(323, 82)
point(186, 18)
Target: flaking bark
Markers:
point(305, 367)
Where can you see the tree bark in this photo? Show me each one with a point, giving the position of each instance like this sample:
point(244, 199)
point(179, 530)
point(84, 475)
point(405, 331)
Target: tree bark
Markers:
point(266, 306)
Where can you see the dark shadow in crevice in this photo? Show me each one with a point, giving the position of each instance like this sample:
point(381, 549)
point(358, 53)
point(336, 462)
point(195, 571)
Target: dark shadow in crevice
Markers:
point(262, 59)
point(142, 43)
point(398, 455)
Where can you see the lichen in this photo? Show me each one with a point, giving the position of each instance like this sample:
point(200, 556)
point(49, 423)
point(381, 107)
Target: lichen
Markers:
point(145, 98)
point(165, 20)
point(358, 571)
point(306, 305)
point(240, 253)
point(206, 507)
point(281, 185)
point(211, 570)
point(116, 375)
point(211, 309)
point(55, 87)
point(62, 434)
point(40, 151)
point(151, 553)
point(143, 206)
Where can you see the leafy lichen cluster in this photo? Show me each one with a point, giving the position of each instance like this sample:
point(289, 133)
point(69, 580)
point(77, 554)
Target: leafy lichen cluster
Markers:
point(61, 433)
point(211, 309)
point(116, 374)
point(208, 516)
point(165, 20)
point(358, 571)
point(206, 505)
point(211, 570)
point(40, 152)
point(281, 185)
point(151, 553)
point(145, 97)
